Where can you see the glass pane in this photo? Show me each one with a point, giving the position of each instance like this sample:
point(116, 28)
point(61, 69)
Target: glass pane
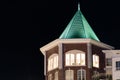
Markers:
point(82, 59)
point(118, 65)
point(109, 62)
point(72, 59)
point(56, 76)
point(69, 75)
point(48, 64)
point(95, 61)
point(50, 77)
point(54, 62)
point(51, 64)
point(77, 59)
point(81, 75)
point(67, 59)
point(66, 75)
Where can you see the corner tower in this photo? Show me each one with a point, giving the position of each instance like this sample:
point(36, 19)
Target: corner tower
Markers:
point(76, 54)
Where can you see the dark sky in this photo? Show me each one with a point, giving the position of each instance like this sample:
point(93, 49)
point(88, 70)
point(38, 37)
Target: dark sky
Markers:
point(27, 25)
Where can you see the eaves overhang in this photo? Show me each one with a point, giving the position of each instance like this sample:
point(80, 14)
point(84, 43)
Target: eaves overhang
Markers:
point(65, 41)
point(111, 51)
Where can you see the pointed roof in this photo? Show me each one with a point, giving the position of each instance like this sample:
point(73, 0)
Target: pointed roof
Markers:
point(78, 27)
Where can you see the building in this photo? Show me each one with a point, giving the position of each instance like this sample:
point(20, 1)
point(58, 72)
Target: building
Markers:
point(76, 54)
point(112, 64)
point(116, 67)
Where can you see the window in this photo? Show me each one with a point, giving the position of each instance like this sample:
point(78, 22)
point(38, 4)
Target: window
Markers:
point(56, 76)
point(81, 74)
point(74, 58)
point(95, 75)
point(118, 65)
point(50, 77)
point(96, 61)
point(108, 62)
point(69, 75)
point(70, 59)
point(53, 62)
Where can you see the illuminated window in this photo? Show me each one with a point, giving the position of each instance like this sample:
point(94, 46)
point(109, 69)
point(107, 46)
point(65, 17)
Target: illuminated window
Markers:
point(82, 56)
point(50, 77)
point(95, 61)
point(70, 59)
point(81, 74)
point(118, 65)
point(80, 59)
point(69, 75)
point(75, 58)
point(52, 62)
point(56, 76)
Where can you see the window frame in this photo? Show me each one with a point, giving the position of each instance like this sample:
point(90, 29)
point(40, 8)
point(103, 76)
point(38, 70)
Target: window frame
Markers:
point(108, 61)
point(56, 75)
point(53, 62)
point(96, 61)
point(50, 77)
point(117, 65)
point(69, 74)
point(83, 75)
point(70, 62)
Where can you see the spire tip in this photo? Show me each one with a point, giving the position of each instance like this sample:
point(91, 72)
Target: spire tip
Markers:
point(78, 6)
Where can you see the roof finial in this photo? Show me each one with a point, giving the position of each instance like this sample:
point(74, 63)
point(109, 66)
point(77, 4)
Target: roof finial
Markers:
point(78, 6)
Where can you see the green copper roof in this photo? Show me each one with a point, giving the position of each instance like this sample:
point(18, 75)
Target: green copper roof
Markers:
point(78, 27)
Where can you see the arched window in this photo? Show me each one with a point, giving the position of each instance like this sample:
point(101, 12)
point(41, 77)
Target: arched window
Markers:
point(56, 76)
point(69, 75)
point(75, 58)
point(53, 62)
point(95, 61)
point(81, 74)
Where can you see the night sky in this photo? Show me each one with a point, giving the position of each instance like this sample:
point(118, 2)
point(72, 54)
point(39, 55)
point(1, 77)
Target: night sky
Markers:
point(27, 25)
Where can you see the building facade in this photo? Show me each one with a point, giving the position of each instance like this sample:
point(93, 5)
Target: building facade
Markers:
point(116, 67)
point(112, 64)
point(77, 54)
